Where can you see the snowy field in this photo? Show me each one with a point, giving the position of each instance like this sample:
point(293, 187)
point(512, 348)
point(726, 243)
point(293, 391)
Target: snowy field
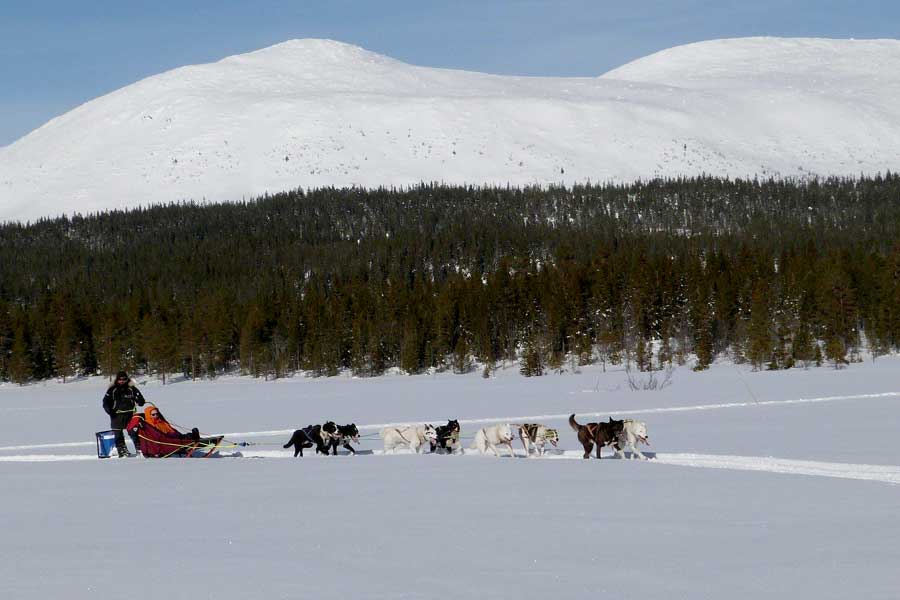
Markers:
point(777, 485)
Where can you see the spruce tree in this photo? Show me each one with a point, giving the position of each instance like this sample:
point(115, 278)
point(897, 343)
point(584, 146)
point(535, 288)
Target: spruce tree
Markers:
point(64, 354)
point(759, 333)
point(20, 359)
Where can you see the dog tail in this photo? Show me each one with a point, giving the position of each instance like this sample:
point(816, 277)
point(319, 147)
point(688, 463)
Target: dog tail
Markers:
point(574, 424)
point(290, 441)
point(480, 442)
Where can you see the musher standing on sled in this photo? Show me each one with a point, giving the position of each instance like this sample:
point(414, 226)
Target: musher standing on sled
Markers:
point(119, 403)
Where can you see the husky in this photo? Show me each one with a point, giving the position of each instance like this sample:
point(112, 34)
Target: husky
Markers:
point(413, 437)
point(537, 435)
point(488, 438)
point(345, 435)
point(633, 432)
point(319, 436)
point(601, 434)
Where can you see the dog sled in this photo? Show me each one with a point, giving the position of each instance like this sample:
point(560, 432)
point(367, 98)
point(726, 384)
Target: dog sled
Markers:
point(154, 437)
point(154, 443)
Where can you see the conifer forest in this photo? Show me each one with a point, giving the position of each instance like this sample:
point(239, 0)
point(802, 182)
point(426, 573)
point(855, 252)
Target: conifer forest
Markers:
point(773, 273)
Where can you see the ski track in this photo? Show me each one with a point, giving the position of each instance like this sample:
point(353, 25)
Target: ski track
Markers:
point(546, 417)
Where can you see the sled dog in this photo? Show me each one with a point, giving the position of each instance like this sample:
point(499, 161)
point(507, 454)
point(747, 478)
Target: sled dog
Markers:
point(537, 435)
point(409, 436)
point(447, 437)
point(319, 436)
point(345, 435)
point(601, 434)
point(488, 438)
point(633, 432)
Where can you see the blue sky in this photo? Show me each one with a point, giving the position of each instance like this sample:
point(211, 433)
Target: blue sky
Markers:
point(55, 55)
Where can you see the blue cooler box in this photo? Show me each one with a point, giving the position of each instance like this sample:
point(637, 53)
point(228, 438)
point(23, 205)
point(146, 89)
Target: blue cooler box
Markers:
point(106, 443)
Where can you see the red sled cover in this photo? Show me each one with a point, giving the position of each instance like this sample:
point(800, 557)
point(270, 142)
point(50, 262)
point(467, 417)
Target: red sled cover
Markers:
point(153, 443)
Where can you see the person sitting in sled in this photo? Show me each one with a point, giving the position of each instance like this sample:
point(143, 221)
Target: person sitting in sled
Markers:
point(155, 418)
point(157, 437)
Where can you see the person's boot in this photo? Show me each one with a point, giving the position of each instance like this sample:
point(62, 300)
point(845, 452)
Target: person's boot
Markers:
point(137, 444)
point(123, 450)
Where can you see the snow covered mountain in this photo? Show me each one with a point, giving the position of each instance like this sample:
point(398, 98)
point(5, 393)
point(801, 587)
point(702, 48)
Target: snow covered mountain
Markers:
point(309, 113)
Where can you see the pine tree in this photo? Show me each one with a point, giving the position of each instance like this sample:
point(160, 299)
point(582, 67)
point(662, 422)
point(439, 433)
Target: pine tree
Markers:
point(109, 342)
point(410, 354)
point(158, 346)
point(64, 355)
point(252, 362)
point(759, 347)
point(835, 351)
point(701, 318)
point(20, 360)
point(462, 362)
point(643, 355)
point(532, 361)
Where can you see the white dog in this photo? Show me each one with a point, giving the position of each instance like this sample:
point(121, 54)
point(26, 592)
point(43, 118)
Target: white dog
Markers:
point(488, 438)
point(537, 435)
point(633, 432)
point(408, 436)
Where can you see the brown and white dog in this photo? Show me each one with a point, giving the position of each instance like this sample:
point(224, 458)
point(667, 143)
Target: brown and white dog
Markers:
point(488, 438)
point(601, 434)
point(633, 432)
point(537, 435)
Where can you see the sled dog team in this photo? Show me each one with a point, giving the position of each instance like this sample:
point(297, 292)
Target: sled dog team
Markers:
point(620, 435)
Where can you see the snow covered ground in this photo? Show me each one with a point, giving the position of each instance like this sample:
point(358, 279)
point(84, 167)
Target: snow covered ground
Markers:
point(313, 113)
point(773, 484)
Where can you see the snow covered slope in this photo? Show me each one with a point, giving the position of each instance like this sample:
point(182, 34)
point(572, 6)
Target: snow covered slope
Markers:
point(309, 113)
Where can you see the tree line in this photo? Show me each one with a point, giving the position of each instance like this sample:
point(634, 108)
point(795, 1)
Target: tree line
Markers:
point(775, 273)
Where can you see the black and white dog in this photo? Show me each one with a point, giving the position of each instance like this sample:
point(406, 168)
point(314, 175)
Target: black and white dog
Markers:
point(447, 437)
point(345, 435)
point(320, 436)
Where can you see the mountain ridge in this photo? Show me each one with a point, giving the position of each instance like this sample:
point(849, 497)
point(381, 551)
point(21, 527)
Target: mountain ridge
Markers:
point(312, 113)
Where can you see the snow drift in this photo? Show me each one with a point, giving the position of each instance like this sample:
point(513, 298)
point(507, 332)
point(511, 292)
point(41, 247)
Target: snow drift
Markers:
point(309, 113)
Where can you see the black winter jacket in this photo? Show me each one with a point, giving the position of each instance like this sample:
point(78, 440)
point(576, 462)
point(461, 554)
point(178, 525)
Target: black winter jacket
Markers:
point(121, 399)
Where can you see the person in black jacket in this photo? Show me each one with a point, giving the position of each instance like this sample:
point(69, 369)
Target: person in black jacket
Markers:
point(120, 403)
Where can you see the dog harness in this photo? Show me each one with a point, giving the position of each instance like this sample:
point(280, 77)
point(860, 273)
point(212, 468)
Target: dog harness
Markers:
point(403, 437)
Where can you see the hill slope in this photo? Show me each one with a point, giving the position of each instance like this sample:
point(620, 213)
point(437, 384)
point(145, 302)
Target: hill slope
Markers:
point(310, 113)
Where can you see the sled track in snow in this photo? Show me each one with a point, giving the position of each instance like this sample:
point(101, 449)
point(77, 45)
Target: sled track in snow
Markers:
point(516, 419)
point(878, 473)
point(881, 473)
